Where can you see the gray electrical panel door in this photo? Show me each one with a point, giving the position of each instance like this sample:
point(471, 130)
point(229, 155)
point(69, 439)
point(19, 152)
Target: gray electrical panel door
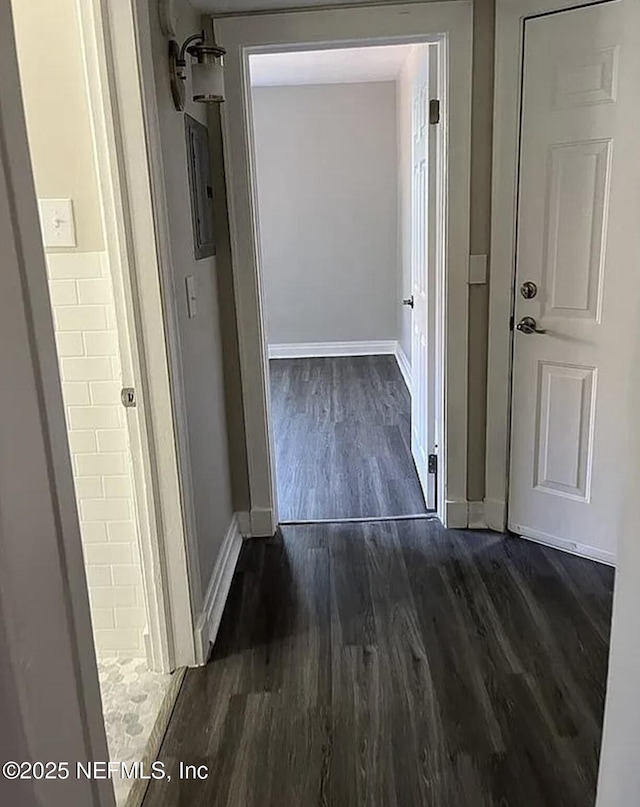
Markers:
point(201, 187)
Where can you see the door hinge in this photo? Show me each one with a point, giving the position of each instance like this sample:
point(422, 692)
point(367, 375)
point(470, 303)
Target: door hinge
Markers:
point(128, 397)
point(432, 464)
point(434, 110)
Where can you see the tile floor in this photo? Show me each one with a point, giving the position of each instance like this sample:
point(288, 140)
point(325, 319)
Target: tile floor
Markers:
point(131, 700)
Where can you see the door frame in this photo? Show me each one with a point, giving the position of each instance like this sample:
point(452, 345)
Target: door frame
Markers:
point(433, 267)
point(340, 27)
point(48, 671)
point(159, 645)
point(509, 54)
point(122, 100)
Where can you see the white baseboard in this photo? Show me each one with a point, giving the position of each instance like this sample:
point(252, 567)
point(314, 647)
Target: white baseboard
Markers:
point(217, 591)
point(495, 514)
point(309, 350)
point(456, 514)
point(582, 550)
point(403, 364)
point(476, 516)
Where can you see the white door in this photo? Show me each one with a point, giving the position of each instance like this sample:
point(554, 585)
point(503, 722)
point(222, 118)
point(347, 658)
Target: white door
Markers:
point(579, 242)
point(423, 269)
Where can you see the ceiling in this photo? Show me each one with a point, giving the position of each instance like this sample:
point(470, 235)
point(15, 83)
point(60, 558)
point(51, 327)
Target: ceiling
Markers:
point(329, 66)
point(240, 6)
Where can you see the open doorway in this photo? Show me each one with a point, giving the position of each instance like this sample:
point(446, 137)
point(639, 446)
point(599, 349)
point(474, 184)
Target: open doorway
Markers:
point(347, 144)
point(448, 25)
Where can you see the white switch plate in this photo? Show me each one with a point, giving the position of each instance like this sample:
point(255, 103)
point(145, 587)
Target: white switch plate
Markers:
point(192, 296)
point(57, 222)
point(477, 269)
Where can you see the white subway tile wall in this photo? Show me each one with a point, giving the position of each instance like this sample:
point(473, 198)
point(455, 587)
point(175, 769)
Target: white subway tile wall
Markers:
point(88, 351)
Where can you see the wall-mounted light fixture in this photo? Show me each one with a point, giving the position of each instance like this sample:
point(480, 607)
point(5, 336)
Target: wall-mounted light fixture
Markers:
point(207, 76)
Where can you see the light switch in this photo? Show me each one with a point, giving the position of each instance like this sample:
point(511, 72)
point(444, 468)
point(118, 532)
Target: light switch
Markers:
point(191, 296)
point(57, 222)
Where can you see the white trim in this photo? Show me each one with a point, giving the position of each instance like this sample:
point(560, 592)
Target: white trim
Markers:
point(477, 518)
point(116, 225)
point(495, 514)
point(217, 591)
point(404, 365)
point(307, 350)
point(456, 514)
point(510, 17)
point(256, 524)
point(131, 69)
point(49, 695)
point(263, 522)
point(379, 24)
point(244, 524)
point(571, 548)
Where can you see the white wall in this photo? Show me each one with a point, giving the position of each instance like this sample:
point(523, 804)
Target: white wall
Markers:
point(200, 336)
point(326, 159)
point(87, 344)
point(57, 111)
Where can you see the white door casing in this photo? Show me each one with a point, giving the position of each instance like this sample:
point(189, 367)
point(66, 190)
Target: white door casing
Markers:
point(378, 25)
point(419, 361)
point(579, 176)
point(424, 254)
point(117, 46)
point(114, 222)
point(48, 669)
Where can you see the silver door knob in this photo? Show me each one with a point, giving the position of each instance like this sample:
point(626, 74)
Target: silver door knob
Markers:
point(408, 301)
point(529, 325)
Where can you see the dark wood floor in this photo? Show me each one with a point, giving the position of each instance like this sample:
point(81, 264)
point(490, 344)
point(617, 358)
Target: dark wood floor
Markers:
point(342, 439)
point(398, 665)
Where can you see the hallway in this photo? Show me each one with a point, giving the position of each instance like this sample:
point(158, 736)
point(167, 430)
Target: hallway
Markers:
point(342, 438)
point(397, 665)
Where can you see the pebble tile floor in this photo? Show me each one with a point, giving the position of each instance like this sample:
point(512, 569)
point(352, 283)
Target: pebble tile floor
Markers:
point(131, 700)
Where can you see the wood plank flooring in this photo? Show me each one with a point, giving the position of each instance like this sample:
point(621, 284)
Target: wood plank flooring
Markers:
point(342, 439)
point(397, 665)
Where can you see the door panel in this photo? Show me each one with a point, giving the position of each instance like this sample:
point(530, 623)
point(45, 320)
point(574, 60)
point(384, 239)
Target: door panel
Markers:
point(578, 241)
point(575, 226)
point(423, 269)
point(564, 429)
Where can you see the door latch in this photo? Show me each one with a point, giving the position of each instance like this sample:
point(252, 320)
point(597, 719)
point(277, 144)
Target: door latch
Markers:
point(408, 301)
point(128, 397)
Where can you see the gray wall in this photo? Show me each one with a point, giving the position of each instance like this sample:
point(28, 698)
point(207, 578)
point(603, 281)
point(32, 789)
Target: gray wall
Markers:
point(326, 165)
point(201, 336)
point(480, 239)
